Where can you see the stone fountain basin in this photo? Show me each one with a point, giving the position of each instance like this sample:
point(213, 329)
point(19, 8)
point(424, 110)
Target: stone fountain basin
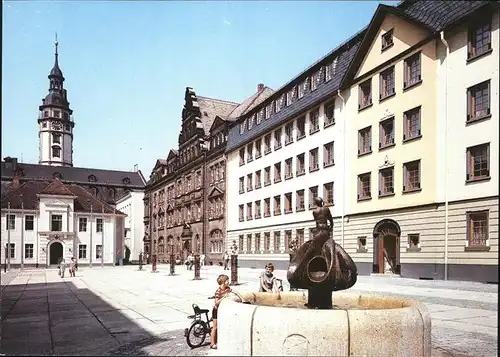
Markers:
point(359, 325)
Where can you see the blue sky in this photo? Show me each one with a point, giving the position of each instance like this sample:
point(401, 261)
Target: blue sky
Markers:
point(127, 64)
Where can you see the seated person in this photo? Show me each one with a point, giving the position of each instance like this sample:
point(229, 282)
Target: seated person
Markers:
point(267, 281)
point(222, 292)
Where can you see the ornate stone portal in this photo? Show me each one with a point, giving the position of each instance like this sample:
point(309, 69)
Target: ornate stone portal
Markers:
point(321, 265)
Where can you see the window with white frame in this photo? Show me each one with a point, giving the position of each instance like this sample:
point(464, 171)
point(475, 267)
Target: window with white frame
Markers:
point(28, 250)
point(82, 224)
point(98, 225)
point(11, 222)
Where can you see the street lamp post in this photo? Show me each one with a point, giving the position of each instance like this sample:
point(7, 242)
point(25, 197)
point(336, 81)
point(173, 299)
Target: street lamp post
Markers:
point(22, 232)
point(9, 227)
point(172, 258)
point(90, 245)
point(234, 264)
point(200, 248)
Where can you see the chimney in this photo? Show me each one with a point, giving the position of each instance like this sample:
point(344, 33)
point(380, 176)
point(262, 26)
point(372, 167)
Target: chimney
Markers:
point(260, 87)
point(16, 183)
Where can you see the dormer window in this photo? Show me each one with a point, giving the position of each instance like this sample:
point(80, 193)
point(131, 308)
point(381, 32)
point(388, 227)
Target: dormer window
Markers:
point(126, 181)
point(92, 178)
point(111, 193)
point(387, 40)
point(57, 175)
point(251, 121)
point(242, 126)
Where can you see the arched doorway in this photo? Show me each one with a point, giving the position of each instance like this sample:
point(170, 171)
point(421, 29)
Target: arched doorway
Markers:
point(55, 253)
point(386, 246)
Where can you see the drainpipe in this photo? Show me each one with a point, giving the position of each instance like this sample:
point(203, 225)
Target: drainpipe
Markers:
point(343, 165)
point(445, 165)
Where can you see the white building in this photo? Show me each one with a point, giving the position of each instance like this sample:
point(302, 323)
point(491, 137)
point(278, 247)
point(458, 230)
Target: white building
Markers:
point(131, 203)
point(56, 122)
point(43, 222)
point(415, 153)
point(283, 154)
point(56, 133)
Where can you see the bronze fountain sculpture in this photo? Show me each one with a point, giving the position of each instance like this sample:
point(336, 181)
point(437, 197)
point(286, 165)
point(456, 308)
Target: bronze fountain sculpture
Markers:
point(321, 265)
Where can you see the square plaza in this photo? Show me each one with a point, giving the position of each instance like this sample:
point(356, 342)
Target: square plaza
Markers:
point(124, 311)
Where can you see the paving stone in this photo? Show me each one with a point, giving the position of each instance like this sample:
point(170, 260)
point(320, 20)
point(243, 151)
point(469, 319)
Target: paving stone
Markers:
point(121, 311)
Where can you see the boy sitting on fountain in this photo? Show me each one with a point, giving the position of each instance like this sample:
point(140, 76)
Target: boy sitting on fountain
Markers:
point(220, 293)
point(267, 281)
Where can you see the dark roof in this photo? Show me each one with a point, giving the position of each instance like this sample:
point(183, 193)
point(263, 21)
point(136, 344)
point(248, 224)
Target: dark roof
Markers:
point(344, 54)
point(210, 108)
point(433, 15)
point(26, 196)
point(250, 103)
point(74, 174)
point(56, 187)
point(440, 14)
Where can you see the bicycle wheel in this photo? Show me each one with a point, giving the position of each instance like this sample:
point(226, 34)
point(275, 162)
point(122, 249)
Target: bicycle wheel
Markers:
point(197, 334)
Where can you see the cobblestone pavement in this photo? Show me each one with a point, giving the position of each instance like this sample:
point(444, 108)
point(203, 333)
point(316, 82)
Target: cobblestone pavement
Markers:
point(7, 277)
point(123, 311)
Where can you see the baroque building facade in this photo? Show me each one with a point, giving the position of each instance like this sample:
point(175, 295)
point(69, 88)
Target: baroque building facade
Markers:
point(397, 130)
point(184, 202)
point(56, 134)
point(43, 222)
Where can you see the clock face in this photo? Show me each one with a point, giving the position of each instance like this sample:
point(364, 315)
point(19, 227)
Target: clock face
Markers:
point(56, 125)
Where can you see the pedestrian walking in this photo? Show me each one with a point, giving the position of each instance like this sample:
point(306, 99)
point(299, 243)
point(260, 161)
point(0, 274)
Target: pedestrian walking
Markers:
point(72, 267)
point(62, 268)
point(226, 260)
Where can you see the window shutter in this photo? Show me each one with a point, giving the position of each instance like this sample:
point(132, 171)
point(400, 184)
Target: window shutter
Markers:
point(469, 104)
point(488, 111)
point(359, 97)
point(380, 134)
point(405, 126)
point(380, 85)
point(468, 165)
point(469, 45)
point(404, 177)
point(359, 186)
point(359, 142)
point(405, 73)
point(488, 160)
point(380, 178)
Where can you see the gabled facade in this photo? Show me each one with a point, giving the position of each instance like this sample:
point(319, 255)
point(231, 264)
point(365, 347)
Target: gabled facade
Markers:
point(414, 168)
point(45, 221)
point(185, 197)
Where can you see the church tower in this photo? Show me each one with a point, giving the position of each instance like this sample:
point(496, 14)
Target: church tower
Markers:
point(56, 122)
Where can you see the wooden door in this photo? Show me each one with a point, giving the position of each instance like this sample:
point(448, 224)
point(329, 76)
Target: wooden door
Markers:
point(380, 253)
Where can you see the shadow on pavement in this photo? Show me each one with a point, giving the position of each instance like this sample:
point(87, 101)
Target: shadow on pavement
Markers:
point(172, 343)
point(62, 319)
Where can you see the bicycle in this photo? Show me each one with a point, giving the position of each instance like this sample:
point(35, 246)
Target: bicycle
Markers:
point(199, 329)
point(280, 284)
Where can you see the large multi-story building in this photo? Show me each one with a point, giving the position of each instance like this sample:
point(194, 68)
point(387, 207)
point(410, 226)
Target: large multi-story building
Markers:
point(184, 203)
point(56, 135)
point(397, 131)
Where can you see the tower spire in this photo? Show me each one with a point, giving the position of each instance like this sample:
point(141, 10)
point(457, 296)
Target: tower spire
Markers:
point(56, 71)
point(56, 43)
